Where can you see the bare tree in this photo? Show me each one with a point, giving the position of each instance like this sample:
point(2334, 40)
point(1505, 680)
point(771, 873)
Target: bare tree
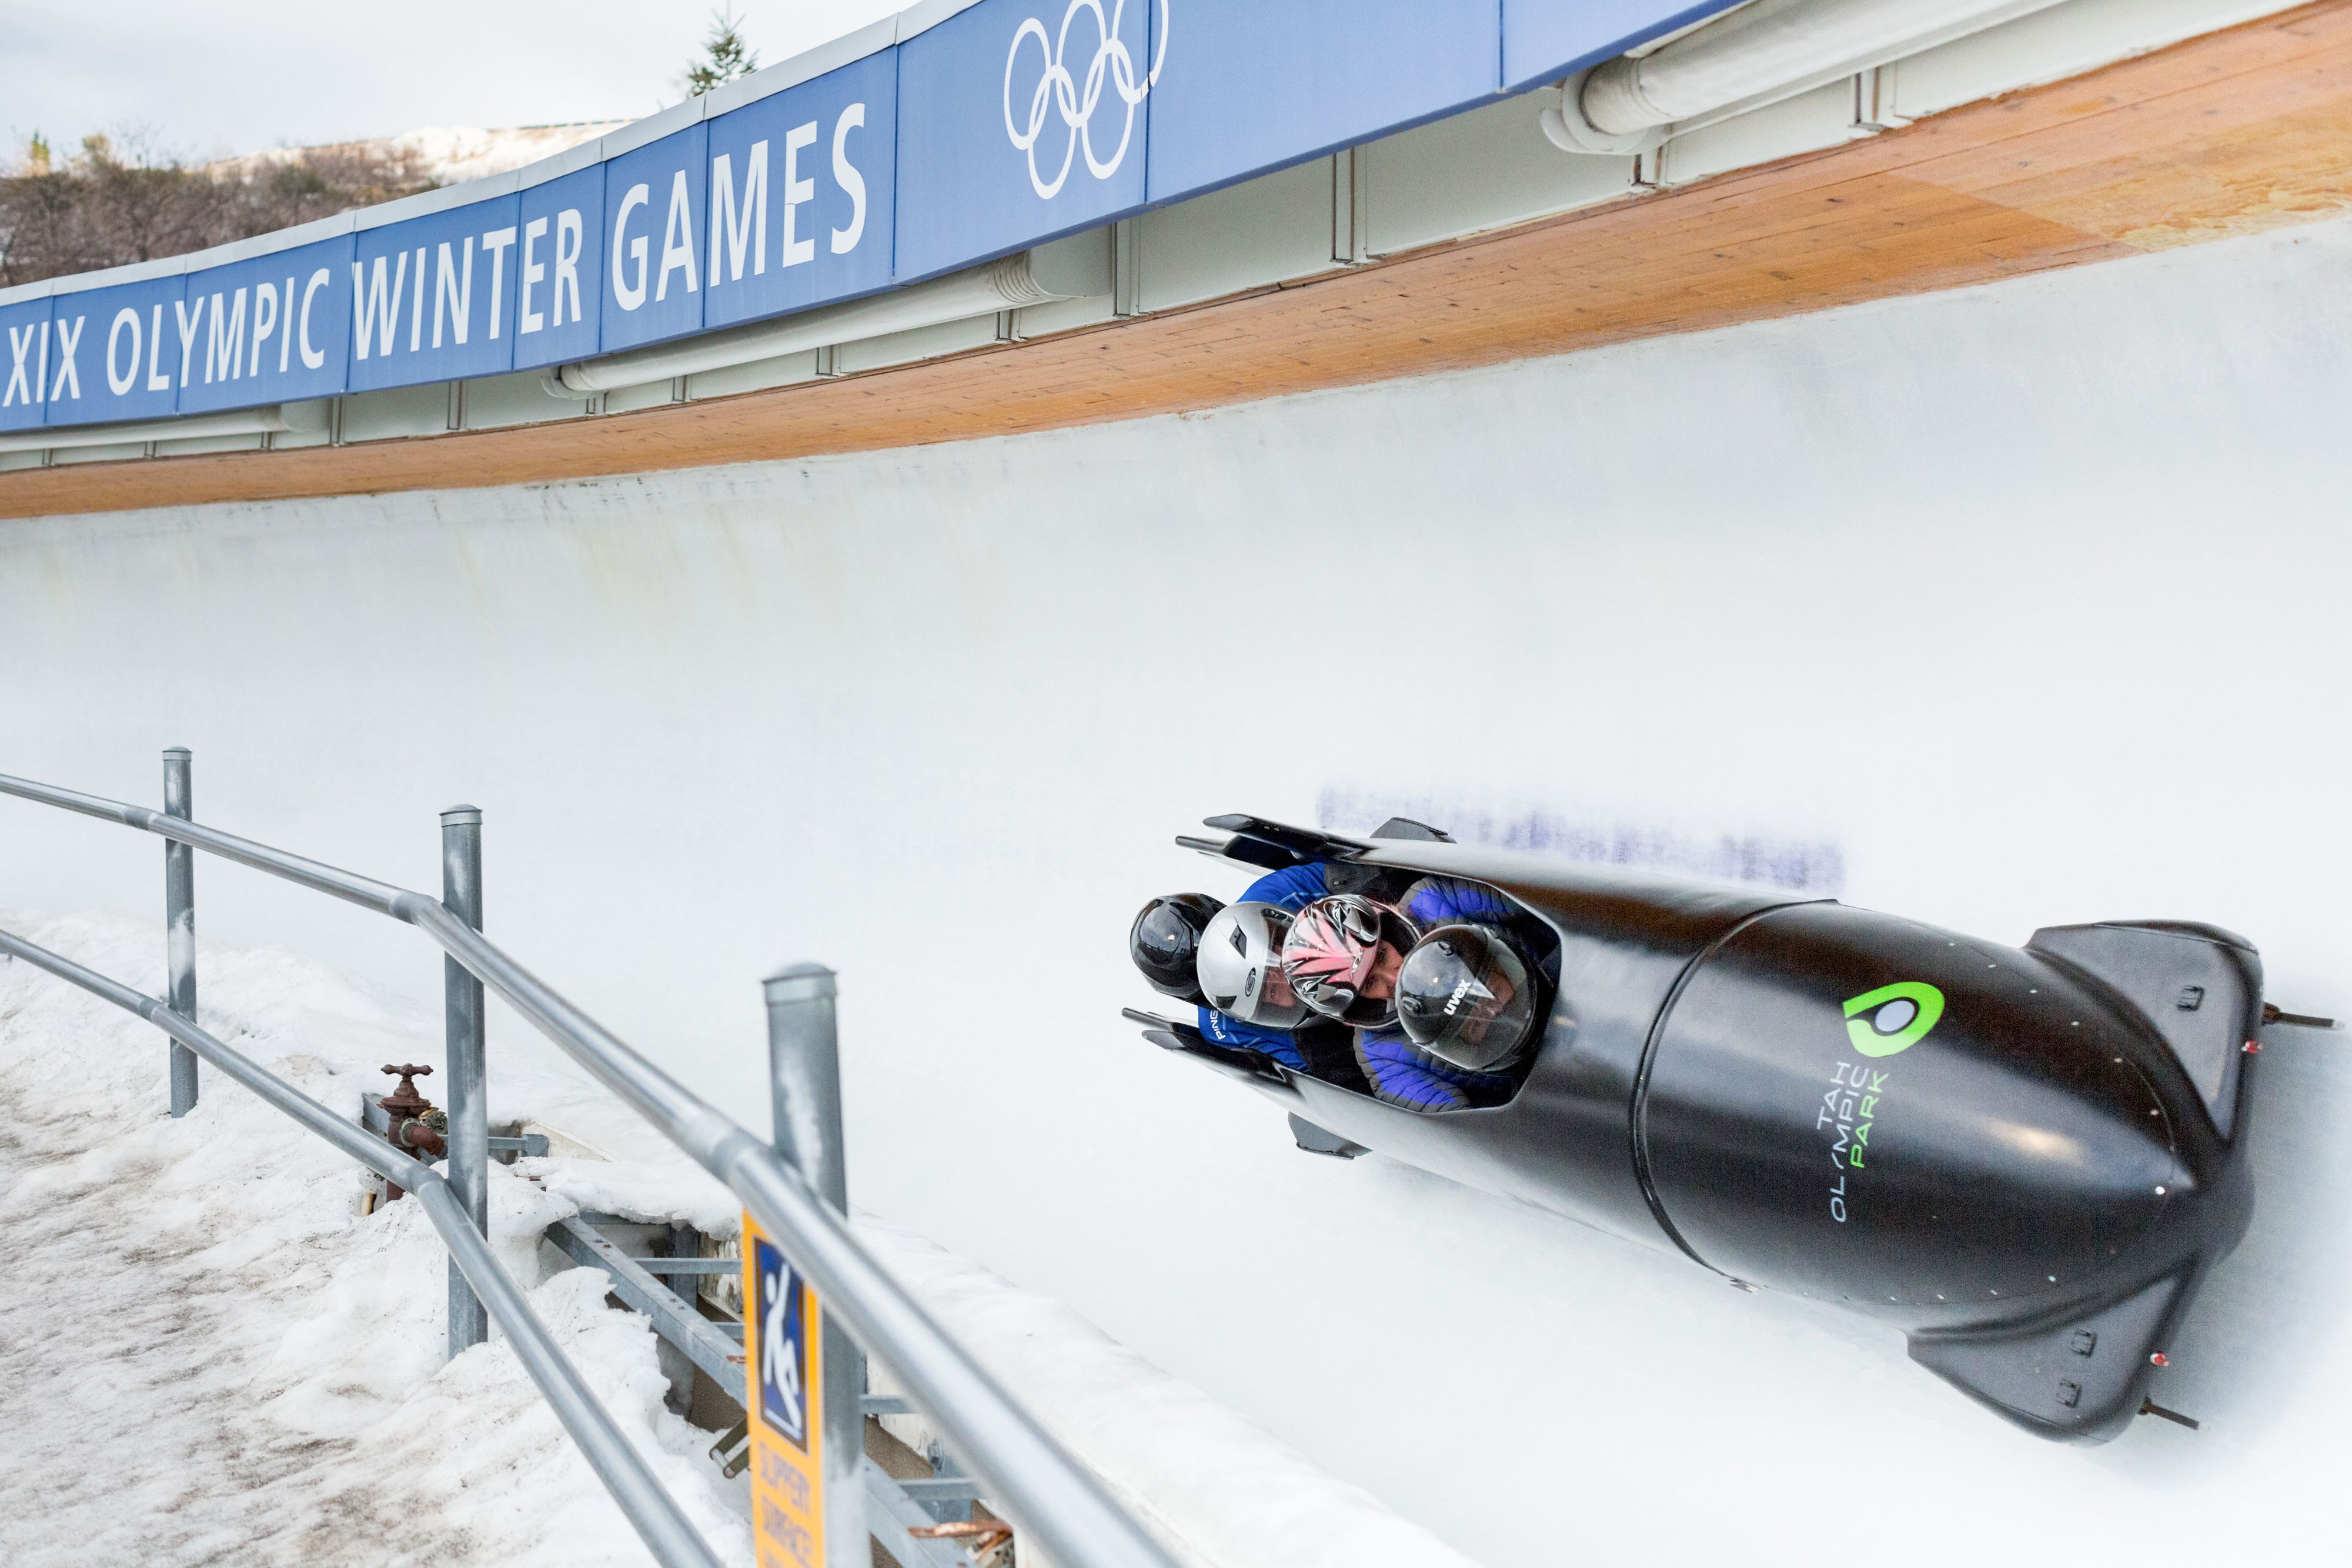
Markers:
point(121, 200)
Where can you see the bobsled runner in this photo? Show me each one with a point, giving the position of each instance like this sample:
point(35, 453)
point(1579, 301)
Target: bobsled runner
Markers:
point(2025, 1159)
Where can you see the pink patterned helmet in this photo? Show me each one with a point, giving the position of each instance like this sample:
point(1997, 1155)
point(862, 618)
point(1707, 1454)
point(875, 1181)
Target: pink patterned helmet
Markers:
point(1342, 956)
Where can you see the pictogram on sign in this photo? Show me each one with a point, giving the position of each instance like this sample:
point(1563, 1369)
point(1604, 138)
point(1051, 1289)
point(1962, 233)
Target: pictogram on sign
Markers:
point(783, 1360)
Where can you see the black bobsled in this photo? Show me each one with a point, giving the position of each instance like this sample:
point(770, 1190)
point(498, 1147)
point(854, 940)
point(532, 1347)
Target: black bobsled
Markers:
point(2024, 1158)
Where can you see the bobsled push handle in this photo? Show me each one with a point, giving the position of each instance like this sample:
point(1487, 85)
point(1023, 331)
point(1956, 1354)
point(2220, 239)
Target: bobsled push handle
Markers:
point(1237, 1060)
point(1299, 843)
point(1276, 846)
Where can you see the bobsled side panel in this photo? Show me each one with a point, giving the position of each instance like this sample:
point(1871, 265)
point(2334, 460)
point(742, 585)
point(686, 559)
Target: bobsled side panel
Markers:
point(1625, 939)
point(2007, 1146)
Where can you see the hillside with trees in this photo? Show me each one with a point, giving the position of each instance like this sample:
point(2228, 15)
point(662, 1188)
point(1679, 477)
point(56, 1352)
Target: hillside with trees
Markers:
point(119, 200)
point(113, 203)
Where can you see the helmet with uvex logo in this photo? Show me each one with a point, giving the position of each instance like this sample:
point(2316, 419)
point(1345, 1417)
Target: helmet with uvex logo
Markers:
point(1468, 996)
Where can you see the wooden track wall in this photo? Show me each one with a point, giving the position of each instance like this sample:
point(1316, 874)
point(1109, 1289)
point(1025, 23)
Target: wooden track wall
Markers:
point(2225, 134)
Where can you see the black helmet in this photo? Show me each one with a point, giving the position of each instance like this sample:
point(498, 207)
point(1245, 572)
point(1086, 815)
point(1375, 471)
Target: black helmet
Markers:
point(1165, 941)
point(1467, 996)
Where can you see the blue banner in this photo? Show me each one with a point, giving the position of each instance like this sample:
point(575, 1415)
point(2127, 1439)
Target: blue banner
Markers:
point(1244, 89)
point(802, 191)
point(1006, 124)
point(1032, 125)
point(432, 298)
point(25, 338)
point(653, 256)
point(559, 297)
point(294, 339)
point(1544, 40)
point(115, 352)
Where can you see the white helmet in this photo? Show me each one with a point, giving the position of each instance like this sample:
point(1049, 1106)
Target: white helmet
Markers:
point(1240, 965)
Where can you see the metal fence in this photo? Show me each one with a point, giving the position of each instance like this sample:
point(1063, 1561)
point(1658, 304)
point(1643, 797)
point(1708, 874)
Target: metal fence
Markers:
point(1052, 1499)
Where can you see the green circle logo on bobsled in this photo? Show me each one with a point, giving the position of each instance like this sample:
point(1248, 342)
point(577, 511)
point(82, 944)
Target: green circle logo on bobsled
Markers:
point(1893, 1017)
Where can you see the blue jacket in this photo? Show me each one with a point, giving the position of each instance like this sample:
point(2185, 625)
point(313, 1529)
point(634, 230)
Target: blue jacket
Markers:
point(1444, 900)
point(1293, 888)
point(1400, 1071)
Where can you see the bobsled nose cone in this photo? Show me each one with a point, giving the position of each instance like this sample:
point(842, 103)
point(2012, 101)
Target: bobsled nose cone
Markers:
point(1968, 1135)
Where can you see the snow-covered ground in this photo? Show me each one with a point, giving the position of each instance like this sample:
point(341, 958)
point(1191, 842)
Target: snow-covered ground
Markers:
point(207, 1354)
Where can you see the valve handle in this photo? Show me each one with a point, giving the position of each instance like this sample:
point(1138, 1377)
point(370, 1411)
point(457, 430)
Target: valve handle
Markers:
point(405, 1100)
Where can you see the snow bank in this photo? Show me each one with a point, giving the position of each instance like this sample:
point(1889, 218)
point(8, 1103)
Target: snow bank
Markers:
point(219, 1356)
point(218, 1359)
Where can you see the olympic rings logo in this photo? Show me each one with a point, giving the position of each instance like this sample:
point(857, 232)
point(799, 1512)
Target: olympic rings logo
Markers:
point(1059, 92)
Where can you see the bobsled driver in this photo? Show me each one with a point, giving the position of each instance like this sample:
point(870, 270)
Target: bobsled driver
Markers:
point(1227, 960)
point(1440, 992)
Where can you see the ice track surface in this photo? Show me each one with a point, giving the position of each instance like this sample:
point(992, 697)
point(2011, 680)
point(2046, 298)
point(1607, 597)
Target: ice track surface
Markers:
point(2026, 599)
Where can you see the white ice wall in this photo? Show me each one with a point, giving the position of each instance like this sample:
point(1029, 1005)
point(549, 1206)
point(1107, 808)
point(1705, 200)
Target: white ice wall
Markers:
point(2029, 600)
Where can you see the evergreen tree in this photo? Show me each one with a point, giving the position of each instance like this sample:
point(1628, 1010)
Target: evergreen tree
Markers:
point(725, 55)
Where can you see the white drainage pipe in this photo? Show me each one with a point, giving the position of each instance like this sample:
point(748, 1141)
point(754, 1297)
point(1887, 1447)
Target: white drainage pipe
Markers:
point(1066, 269)
point(1762, 52)
point(268, 421)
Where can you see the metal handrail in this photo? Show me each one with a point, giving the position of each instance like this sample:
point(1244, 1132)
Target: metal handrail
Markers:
point(1045, 1491)
point(623, 1470)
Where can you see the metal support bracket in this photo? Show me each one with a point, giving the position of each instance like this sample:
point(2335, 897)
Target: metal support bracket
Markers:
point(892, 1512)
point(701, 1339)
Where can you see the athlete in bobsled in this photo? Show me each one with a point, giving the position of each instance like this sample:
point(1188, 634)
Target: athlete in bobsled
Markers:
point(1227, 960)
point(1265, 974)
point(1439, 988)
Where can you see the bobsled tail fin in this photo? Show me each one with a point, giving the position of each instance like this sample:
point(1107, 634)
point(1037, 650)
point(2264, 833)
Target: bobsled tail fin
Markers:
point(2199, 986)
point(2080, 1381)
point(1406, 828)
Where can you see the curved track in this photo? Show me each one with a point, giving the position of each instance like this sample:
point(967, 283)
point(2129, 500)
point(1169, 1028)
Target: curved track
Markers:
point(2025, 599)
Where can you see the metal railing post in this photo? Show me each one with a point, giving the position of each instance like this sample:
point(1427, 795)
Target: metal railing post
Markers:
point(469, 1080)
point(805, 1088)
point(180, 924)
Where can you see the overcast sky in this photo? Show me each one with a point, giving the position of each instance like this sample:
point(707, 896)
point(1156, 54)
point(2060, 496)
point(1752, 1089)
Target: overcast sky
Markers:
point(231, 76)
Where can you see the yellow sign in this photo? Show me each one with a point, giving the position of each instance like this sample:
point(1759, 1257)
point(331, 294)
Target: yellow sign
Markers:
point(783, 1358)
